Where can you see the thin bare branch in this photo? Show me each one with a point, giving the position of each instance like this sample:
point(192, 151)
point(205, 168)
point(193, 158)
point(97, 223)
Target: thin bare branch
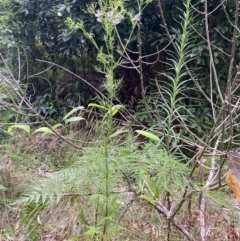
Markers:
point(212, 65)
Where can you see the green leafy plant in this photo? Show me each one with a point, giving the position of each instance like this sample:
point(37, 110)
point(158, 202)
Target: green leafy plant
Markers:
point(180, 161)
point(172, 92)
point(68, 118)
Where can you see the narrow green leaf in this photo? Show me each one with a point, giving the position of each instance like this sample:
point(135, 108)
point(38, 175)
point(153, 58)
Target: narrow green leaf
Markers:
point(37, 197)
point(153, 187)
point(149, 199)
point(73, 111)
point(20, 126)
point(115, 109)
point(118, 133)
point(56, 126)
point(97, 106)
point(44, 197)
point(74, 118)
point(45, 130)
point(148, 135)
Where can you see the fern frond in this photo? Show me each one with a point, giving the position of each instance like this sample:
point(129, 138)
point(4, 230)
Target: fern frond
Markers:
point(167, 171)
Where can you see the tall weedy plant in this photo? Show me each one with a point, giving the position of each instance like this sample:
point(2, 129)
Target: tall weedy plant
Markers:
point(170, 104)
point(110, 14)
point(172, 89)
point(218, 138)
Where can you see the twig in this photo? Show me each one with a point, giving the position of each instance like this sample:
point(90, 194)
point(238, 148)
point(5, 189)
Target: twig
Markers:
point(202, 201)
point(162, 210)
point(230, 73)
point(127, 207)
point(210, 50)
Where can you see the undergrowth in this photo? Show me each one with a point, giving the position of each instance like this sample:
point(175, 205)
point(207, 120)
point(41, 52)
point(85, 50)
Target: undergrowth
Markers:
point(69, 203)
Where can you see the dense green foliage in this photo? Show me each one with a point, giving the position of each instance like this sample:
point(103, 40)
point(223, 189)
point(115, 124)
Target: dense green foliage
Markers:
point(40, 30)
